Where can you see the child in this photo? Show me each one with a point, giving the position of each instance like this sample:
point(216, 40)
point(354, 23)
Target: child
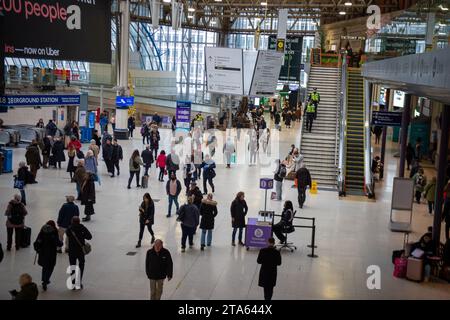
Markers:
point(161, 163)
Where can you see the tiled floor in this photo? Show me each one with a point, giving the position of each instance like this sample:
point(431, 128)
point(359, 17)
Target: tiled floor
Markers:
point(351, 235)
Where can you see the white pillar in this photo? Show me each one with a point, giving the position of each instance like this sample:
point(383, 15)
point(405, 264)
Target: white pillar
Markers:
point(122, 114)
point(431, 23)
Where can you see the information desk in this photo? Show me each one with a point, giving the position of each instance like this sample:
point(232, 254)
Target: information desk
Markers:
point(257, 233)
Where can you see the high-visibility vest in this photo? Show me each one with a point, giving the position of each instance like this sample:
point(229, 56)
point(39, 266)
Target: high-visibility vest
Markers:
point(310, 108)
point(315, 96)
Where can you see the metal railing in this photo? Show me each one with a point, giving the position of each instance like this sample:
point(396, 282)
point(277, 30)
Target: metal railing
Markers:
point(342, 128)
point(368, 177)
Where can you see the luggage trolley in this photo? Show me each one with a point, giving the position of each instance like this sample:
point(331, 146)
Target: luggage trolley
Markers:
point(402, 200)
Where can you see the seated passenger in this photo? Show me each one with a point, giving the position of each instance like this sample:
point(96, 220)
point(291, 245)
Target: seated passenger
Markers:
point(425, 244)
point(287, 216)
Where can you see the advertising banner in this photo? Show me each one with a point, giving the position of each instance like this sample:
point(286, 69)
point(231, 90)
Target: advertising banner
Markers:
point(39, 100)
point(58, 29)
point(257, 234)
point(183, 115)
point(290, 70)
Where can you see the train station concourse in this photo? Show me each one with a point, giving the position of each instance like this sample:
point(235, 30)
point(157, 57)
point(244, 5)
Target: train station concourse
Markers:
point(224, 150)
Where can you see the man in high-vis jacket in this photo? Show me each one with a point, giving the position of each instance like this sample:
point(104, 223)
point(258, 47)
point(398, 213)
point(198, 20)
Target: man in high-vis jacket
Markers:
point(314, 97)
point(310, 111)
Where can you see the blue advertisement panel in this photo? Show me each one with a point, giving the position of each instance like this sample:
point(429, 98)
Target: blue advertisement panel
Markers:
point(39, 100)
point(91, 121)
point(183, 115)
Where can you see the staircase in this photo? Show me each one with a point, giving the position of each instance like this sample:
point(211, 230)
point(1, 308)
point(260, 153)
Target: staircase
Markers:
point(319, 146)
point(354, 171)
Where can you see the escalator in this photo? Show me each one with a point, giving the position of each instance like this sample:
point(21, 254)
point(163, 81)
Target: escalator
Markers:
point(354, 155)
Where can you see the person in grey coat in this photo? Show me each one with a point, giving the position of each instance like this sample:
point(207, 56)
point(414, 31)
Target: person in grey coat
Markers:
point(189, 216)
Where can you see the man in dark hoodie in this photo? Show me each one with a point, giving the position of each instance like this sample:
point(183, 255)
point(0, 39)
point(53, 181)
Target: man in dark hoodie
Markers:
point(28, 289)
point(117, 156)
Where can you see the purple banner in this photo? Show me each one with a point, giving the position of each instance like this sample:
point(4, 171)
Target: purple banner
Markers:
point(183, 115)
point(256, 235)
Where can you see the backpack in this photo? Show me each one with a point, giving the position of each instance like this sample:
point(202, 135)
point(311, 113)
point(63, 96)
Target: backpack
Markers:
point(282, 173)
point(16, 216)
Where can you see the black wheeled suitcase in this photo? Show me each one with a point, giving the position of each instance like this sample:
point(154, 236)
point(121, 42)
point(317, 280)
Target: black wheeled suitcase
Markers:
point(26, 237)
point(51, 161)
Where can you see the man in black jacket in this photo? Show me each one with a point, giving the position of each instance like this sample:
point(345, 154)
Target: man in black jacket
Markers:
point(65, 215)
point(158, 266)
point(303, 181)
point(147, 159)
point(269, 258)
point(28, 289)
point(117, 156)
point(107, 153)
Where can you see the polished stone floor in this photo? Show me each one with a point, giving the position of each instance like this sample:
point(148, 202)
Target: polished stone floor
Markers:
point(352, 234)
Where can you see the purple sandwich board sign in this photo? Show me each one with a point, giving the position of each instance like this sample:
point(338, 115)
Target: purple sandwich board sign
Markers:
point(183, 116)
point(256, 236)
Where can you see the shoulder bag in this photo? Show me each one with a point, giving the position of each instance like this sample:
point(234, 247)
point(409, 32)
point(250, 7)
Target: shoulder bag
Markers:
point(87, 248)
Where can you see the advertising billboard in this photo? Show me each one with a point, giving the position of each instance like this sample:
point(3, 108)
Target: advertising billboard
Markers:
point(58, 29)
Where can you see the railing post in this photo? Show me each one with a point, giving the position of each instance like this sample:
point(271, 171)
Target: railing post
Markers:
point(312, 245)
point(313, 239)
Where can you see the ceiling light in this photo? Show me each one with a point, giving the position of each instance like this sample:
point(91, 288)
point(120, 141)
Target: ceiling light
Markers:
point(213, 23)
point(190, 17)
point(217, 0)
point(264, 3)
point(443, 8)
point(190, 9)
point(167, 1)
point(342, 13)
point(348, 4)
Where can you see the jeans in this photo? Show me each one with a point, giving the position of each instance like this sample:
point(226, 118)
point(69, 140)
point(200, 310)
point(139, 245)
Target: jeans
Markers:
point(156, 289)
point(78, 191)
point(155, 150)
point(73, 262)
point(23, 197)
point(161, 174)
point(206, 233)
point(132, 174)
point(239, 236)
point(18, 237)
point(210, 181)
point(141, 230)
point(279, 189)
point(187, 232)
point(171, 200)
point(143, 139)
point(301, 196)
point(253, 156)
point(61, 233)
point(47, 273)
point(268, 293)
point(430, 207)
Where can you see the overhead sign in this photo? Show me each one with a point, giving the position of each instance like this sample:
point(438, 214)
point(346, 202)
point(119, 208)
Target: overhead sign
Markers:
point(39, 100)
point(290, 70)
point(122, 101)
point(183, 115)
point(265, 75)
point(224, 70)
point(266, 183)
point(58, 30)
point(386, 118)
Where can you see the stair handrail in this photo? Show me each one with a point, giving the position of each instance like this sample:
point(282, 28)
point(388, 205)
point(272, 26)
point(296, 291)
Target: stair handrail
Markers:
point(368, 176)
point(343, 127)
point(308, 68)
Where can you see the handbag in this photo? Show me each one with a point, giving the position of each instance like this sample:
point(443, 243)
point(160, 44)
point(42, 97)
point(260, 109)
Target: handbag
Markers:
point(87, 248)
point(80, 154)
point(18, 184)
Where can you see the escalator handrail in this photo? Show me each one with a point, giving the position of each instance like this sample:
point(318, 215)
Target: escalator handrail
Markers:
point(342, 127)
point(369, 186)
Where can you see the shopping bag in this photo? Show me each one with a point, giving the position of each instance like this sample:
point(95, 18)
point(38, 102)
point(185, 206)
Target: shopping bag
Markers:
point(273, 196)
point(233, 158)
point(400, 267)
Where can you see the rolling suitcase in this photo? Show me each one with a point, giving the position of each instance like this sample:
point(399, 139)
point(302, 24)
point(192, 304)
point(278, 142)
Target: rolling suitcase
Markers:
point(144, 182)
point(52, 161)
point(414, 270)
point(26, 237)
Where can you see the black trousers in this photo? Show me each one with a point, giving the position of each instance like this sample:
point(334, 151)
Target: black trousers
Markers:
point(187, 183)
point(115, 165)
point(73, 262)
point(301, 196)
point(161, 174)
point(18, 237)
point(268, 293)
point(145, 137)
point(89, 209)
point(141, 230)
point(430, 207)
point(146, 167)
point(210, 181)
point(109, 166)
point(309, 121)
point(418, 196)
point(47, 273)
point(278, 230)
point(155, 150)
point(132, 174)
point(131, 132)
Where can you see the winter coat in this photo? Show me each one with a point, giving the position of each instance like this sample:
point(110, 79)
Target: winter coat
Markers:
point(98, 140)
point(198, 196)
point(58, 151)
point(33, 156)
point(409, 153)
point(161, 161)
point(208, 212)
point(75, 144)
point(15, 213)
point(82, 233)
point(172, 164)
point(131, 123)
point(95, 150)
point(88, 190)
point(25, 175)
point(79, 175)
point(47, 147)
point(189, 215)
point(208, 169)
point(66, 213)
point(178, 187)
point(147, 157)
point(135, 164)
point(303, 178)
point(27, 292)
point(430, 191)
point(147, 214)
point(51, 129)
point(269, 259)
point(158, 265)
point(46, 245)
point(238, 210)
point(154, 139)
point(107, 152)
point(117, 153)
point(90, 163)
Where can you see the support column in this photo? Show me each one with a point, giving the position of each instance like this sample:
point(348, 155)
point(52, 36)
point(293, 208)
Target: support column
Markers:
point(2, 54)
point(406, 117)
point(121, 131)
point(387, 97)
point(431, 23)
point(441, 174)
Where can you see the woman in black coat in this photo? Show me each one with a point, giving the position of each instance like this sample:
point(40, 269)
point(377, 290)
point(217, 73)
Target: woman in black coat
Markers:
point(46, 245)
point(208, 212)
point(58, 152)
point(146, 218)
point(409, 155)
point(238, 210)
point(88, 195)
point(269, 258)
